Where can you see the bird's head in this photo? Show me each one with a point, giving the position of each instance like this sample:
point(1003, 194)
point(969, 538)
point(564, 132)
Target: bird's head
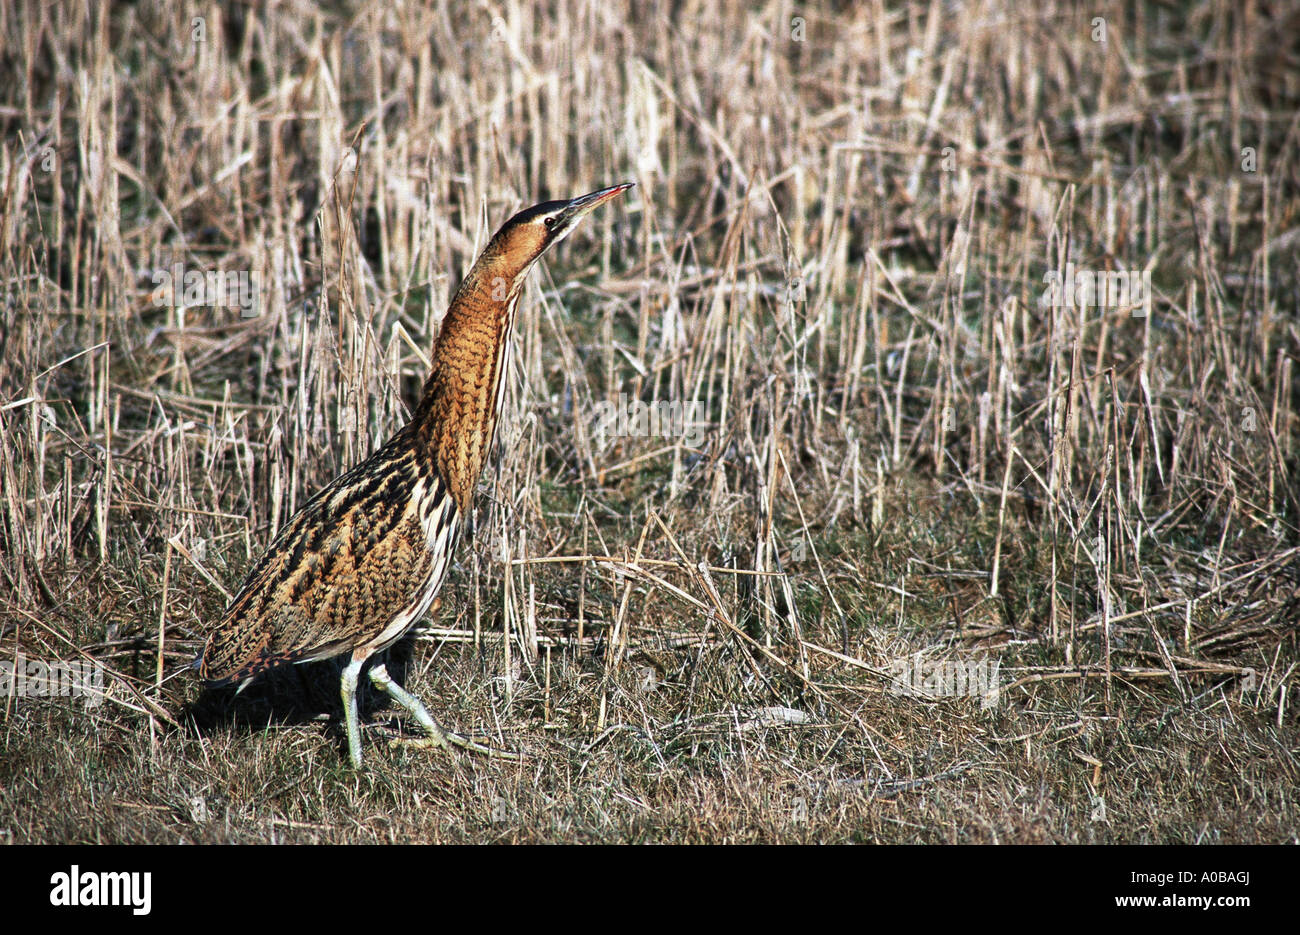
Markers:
point(530, 233)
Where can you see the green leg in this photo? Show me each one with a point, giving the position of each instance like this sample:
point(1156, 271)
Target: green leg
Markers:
point(437, 736)
point(383, 681)
point(353, 726)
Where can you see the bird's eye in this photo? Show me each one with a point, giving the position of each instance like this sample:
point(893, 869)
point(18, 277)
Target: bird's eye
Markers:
point(549, 221)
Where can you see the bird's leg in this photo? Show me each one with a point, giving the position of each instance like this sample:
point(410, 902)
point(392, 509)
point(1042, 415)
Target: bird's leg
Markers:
point(353, 726)
point(383, 681)
point(437, 736)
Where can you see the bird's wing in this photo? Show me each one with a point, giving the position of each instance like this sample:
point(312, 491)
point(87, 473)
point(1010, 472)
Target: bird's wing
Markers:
point(360, 559)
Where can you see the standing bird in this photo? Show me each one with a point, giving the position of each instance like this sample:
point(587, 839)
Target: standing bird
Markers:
point(360, 563)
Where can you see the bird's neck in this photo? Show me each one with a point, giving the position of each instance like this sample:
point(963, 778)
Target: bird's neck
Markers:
point(457, 415)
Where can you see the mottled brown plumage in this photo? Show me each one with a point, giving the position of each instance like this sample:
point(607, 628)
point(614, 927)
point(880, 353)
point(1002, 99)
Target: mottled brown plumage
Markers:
point(348, 563)
point(360, 563)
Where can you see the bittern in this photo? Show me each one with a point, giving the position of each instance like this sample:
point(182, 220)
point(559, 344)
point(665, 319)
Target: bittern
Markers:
point(360, 563)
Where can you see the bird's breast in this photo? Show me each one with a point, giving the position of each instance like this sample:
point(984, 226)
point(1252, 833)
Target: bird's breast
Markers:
point(436, 516)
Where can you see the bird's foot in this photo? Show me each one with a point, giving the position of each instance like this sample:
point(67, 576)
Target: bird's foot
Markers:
point(437, 736)
point(446, 739)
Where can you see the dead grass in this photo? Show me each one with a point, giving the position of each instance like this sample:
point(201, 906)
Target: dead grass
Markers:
point(838, 246)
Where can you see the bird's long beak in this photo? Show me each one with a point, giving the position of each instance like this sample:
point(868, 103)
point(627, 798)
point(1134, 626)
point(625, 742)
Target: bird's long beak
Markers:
point(579, 207)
